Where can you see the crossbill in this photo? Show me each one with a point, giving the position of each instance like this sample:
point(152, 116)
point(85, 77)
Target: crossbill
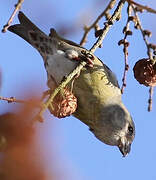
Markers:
point(99, 102)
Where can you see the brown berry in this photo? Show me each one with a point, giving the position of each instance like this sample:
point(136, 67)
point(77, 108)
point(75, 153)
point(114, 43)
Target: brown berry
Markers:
point(145, 72)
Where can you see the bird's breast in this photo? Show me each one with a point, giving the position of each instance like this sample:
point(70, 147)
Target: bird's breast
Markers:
point(58, 65)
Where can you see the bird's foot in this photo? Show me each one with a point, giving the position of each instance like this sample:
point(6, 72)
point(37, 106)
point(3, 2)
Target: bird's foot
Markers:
point(85, 56)
point(88, 57)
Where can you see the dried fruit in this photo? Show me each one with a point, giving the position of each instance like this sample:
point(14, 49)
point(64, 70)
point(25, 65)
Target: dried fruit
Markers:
point(145, 72)
point(64, 104)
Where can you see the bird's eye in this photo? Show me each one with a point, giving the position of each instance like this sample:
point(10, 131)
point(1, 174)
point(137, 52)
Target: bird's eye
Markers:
point(130, 130)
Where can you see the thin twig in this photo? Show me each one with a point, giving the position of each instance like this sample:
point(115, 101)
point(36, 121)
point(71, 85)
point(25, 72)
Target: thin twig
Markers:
point(142, 32)
point(107, 26)
point(151, 90)
point(125, 49)
point(87, 29)
point(17, 7)
point(148, 9)
point(13, 99)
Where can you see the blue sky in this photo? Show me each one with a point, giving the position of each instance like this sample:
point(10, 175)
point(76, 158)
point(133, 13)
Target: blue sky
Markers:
point(83, 156)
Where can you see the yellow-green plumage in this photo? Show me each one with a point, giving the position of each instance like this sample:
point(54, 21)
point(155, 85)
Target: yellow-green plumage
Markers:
point(95, 86)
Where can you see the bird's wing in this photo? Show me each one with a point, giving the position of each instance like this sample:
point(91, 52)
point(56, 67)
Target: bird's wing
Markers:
point(111, 76)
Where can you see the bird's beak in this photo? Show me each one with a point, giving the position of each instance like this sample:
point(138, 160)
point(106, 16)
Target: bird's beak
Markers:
point(124, 147)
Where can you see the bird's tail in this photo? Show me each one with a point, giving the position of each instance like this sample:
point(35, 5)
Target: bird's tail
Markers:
point(25, 27)
point(32, 34)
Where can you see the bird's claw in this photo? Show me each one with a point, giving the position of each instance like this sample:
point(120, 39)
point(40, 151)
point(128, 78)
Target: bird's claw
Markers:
point(88, 57)
point(85, 56)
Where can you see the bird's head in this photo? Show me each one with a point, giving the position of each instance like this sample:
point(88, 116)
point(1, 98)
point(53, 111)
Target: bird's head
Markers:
point(115, 127)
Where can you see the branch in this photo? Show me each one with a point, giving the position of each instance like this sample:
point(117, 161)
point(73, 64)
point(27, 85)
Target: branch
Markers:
point(148, 9)
point(125, 44)
point(142, 32)
point(13, 99)
point(150, 98)
point(87, 29)
point(17, 7)
point(108, 24)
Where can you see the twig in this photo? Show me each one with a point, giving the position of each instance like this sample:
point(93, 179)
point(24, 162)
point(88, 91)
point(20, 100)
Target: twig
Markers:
point(108, 24)
point(17, 7)
point(148, 9)
point(125, 43)
point(13, 99)
point(87, 29)
point(142, 32)
point(150, 98)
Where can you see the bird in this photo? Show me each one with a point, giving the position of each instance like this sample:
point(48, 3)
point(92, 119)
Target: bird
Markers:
point(99, 98)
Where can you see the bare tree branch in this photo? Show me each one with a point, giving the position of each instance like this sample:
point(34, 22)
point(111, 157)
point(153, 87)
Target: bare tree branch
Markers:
point(17, 7)
point(104, 13)
point(148, 9)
